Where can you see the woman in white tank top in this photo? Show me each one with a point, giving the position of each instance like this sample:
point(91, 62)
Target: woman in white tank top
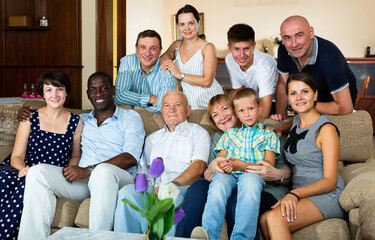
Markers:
point(195, 60)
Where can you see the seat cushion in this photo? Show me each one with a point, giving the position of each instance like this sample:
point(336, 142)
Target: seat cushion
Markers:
point(82, 218)
point(331, 229)
point(66, 211)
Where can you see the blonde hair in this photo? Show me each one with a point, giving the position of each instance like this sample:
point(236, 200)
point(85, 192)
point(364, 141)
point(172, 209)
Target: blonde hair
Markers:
point(245, 93)
point(220, 98)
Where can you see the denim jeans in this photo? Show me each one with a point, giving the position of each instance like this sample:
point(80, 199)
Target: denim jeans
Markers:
point(131, 221)
point(249, 186)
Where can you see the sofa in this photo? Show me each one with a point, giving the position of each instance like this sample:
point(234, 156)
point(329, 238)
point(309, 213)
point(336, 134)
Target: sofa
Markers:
point(357, 167)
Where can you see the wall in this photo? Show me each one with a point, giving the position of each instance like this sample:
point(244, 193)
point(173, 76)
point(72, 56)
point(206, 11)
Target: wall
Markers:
point(88, 47)
point(142, 15)
point(347, 23)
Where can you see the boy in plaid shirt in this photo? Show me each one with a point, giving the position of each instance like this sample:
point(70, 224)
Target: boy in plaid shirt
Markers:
point(240, 147)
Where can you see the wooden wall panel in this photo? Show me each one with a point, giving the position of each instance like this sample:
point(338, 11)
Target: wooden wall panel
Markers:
point(30, 51)
point(104, 36)
point(121, 30)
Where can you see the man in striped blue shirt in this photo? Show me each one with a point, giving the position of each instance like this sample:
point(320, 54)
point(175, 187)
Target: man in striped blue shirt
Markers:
point(140, 81)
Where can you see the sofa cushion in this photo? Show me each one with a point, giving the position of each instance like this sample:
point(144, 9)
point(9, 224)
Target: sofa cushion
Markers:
point(5, 151)
point(153, 122)
point(65, 213)
point(8, 123)
point(328, 229)
point(355, 141)
point(359, 188)
point(351, 171)
point(82, 218)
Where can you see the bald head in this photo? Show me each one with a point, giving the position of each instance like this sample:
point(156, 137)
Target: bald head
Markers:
point(296, 19)
point(178, 93)
point(175, 108)
point(297, 36)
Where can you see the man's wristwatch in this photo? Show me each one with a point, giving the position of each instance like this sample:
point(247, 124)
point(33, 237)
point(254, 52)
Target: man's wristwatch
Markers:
point(90, 167)
point(182, 77)
point(176, 183)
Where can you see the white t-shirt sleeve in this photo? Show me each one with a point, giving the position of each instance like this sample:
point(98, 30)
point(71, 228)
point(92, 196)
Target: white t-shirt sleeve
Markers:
point(267, 78)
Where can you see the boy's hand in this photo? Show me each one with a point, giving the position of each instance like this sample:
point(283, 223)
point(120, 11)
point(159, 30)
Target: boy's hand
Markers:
point(238, 165)
point(25, 114)
point(225, 165)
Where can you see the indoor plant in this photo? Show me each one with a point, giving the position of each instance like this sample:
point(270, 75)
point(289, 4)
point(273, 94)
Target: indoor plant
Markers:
point(159, 211)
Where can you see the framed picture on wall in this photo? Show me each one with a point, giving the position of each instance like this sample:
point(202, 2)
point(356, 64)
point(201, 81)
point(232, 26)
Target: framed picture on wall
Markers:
point(176, 32)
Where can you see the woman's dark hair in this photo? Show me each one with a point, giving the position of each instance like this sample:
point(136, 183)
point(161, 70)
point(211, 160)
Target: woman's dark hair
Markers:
point(56, 78)
point(190, 9)
point(302, 77)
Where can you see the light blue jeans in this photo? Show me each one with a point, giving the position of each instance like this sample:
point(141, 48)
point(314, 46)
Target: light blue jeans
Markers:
point(130, 221)
point(249, 187)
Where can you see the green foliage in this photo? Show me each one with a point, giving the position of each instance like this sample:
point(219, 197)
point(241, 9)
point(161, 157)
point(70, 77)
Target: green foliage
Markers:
point(159, 214)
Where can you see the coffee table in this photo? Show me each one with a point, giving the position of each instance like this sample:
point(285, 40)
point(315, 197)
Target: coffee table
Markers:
point(70, 233)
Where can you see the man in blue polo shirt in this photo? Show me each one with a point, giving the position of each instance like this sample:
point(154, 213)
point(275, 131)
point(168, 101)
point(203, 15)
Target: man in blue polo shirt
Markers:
point(140, 81)
point(301, 51)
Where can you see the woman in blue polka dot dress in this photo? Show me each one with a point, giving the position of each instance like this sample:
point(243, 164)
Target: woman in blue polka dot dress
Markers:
point(51, 136)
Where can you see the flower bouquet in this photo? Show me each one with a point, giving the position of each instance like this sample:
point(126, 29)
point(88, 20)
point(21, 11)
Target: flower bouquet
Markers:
point(159, 209)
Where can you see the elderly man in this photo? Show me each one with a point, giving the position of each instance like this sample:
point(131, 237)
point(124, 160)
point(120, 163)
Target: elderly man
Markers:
point(184, 147)
point(140, 81)
point(112, 140)
point(301, 51)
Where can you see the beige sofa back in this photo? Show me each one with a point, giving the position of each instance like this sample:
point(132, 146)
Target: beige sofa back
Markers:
point(355, 131)
point(355, 136)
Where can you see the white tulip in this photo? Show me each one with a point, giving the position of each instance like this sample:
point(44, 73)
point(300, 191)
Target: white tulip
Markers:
point(168, 190)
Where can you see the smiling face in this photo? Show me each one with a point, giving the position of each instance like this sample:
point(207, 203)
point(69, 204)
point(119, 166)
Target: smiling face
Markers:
point(175, 109)
point(148, 50)
point(242, 53)
point(248, 111)
point(301, 97)
point(100, 92)
point(223, 116)
point(297, 37)
point(54, 96)
point(188, 25)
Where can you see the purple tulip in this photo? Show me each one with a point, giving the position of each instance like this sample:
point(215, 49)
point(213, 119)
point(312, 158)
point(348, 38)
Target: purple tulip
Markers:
point(141, 183)
point(179, 214)
point(157, 167)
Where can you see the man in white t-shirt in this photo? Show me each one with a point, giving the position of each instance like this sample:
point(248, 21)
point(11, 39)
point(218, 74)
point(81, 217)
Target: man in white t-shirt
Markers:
point(250, 69)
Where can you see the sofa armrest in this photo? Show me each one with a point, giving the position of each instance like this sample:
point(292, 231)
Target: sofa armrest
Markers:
point(367, 219)
point(359, 188)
